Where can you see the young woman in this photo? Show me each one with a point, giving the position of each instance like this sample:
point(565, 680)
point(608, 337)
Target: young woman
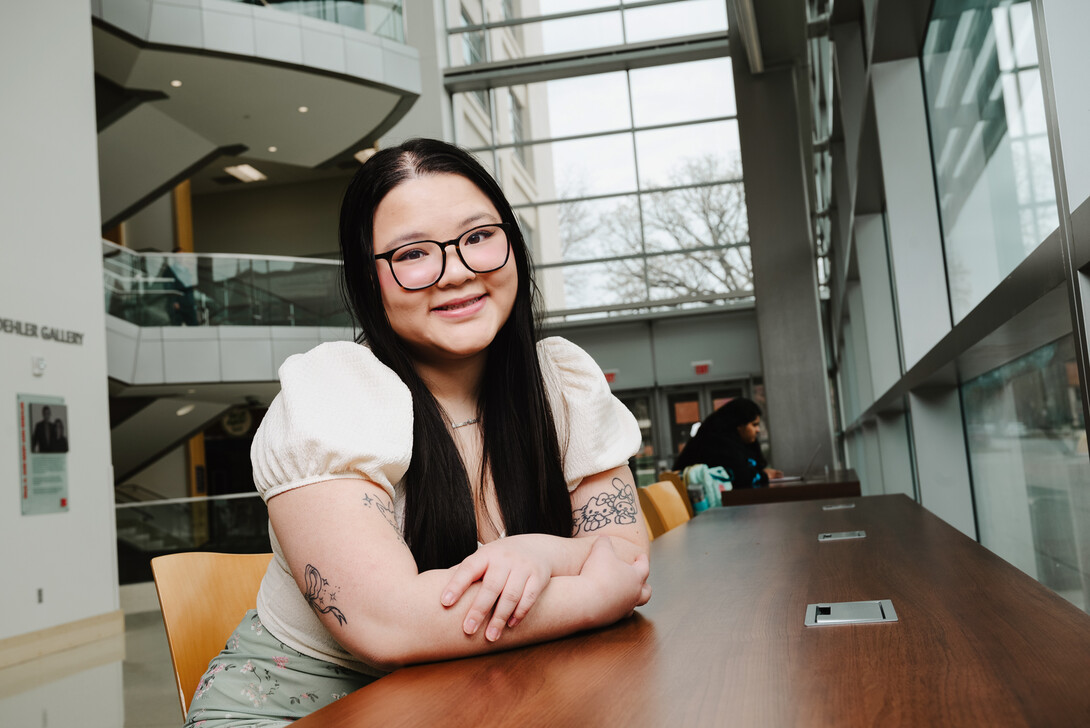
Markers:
point(450, 485)
point(728, 437)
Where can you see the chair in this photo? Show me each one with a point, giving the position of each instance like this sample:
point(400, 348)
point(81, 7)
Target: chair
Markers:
point(674, 477)
point(646, 525)
point(198, 624)
point(667, 503)
point(655, 526)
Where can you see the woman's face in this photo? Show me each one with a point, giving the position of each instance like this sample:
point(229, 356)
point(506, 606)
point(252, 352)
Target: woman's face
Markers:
point(460, 315)
point(749, 431)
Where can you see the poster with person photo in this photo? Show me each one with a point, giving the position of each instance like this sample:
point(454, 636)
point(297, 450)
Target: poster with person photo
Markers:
point(43, 449)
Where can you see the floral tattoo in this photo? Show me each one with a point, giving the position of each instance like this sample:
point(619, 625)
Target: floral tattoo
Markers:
point(609, 507)
point(386, 511)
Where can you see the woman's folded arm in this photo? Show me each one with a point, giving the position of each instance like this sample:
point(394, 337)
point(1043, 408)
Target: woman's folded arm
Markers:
point(343, 547)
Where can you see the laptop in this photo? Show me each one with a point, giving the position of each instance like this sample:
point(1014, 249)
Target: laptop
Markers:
point(805, 473)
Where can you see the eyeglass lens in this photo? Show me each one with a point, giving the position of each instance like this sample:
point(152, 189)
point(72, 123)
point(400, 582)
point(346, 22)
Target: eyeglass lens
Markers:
point(419, 265)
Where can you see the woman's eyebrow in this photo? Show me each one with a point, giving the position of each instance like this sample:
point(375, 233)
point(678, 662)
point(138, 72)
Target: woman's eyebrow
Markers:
point(413, 237)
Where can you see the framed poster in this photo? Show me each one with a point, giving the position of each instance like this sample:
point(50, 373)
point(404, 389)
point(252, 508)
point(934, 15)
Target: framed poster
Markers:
point(43, 453)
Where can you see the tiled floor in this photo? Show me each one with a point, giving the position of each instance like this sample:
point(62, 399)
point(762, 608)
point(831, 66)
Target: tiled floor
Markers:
point(151, 699)
point(92, 687)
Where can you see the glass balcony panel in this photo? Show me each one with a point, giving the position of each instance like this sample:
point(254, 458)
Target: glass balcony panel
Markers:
point(675, 20)
point(1031, 477)
point(992, 163)
point(381, 17)
point(683, 92)
point(157, 289)
point(147, 529)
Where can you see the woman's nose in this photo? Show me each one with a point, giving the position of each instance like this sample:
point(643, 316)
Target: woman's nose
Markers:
point(455, 271)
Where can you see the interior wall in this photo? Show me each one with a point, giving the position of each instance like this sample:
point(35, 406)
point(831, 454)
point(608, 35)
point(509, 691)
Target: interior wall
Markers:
point(661, 353)
point(290, 219)
point(167, 476)
point(52, 276)
point(153, 227)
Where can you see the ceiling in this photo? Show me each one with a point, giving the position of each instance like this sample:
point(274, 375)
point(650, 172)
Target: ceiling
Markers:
point(237, 100)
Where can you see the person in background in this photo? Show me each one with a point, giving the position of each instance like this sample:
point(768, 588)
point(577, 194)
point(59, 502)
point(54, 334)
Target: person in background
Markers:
point(728, 437)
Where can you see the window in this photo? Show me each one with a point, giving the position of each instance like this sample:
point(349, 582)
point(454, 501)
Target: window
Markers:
point(518, 131)
point(473, 51)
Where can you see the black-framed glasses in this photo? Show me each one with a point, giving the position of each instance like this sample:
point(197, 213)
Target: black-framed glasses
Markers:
point(420, 265)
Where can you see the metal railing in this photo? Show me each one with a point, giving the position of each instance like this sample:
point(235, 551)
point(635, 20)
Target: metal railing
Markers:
point(233, 522)
point(161, 289)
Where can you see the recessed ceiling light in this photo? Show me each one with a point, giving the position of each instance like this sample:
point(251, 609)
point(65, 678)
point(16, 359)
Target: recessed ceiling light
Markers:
point(245, 172)
point(303, 109)
point(185, 410)
point(272, 149)
point(175, 83)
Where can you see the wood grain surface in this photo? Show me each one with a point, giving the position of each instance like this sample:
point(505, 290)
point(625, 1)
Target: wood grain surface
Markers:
point(722, 641)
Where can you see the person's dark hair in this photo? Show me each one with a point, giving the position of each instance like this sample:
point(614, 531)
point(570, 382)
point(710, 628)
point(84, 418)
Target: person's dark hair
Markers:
point(521, 452)
point(720, 425)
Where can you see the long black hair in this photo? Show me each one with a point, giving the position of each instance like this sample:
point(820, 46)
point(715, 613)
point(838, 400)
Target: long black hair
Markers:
point(521, 451)
point(719, 430)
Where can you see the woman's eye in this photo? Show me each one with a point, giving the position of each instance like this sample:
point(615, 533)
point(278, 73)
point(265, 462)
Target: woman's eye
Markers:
point(479, 236)
point(410, 254)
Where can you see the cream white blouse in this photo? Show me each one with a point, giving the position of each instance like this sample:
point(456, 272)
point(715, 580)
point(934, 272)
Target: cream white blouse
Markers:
point(341, 413)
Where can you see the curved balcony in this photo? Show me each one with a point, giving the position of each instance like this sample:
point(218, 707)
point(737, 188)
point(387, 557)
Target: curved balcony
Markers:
point(381, 17)
point(184, 87)
point(182, 289)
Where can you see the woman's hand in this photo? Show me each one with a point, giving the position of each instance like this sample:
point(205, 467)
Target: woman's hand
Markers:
point(773, 473)
point(513, 572)
point(619, 587)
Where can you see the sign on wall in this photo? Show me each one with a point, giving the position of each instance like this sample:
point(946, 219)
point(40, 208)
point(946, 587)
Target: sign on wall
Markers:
point(43, 453)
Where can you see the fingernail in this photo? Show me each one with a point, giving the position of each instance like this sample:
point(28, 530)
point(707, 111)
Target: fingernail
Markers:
point(512, 622)
point(471, 626)
point(492, 634)
point(448, 599)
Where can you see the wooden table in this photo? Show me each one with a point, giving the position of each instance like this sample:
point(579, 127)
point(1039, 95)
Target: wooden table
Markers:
point(722, 641)
point(834, 484)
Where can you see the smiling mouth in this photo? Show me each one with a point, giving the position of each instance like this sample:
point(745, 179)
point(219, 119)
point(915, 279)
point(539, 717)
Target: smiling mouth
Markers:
point(466, 303)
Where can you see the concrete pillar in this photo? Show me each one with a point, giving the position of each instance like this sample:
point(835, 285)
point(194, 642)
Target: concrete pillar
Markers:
point(785, 279)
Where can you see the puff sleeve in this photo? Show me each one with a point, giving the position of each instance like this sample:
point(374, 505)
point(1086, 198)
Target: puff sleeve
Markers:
point(596, 431)
point(340, 413)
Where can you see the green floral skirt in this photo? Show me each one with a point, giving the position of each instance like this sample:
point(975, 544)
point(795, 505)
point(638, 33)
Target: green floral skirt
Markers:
point(259, 681)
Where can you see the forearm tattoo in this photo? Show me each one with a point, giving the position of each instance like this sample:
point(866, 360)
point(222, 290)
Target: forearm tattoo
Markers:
point(386, 511)
point(320, 595)
point(605, 508)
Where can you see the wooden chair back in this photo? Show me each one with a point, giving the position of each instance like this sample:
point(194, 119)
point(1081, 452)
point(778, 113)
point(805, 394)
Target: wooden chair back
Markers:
point(655, 526)
point(203, 597)
point(666, 502)
point(673, 476)
point(646, 525)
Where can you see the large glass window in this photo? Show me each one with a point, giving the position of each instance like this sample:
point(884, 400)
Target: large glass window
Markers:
point(989, 144)
point(631, 181)
point(1031, 475)
point(563, 26)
